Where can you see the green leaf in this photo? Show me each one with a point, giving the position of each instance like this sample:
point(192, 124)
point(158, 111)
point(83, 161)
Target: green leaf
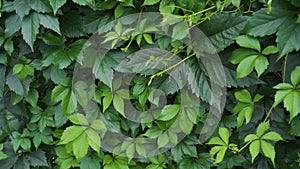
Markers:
point(30, 28)
point(162, 140)
point(38, 158)
point(107, 100)
point(94, 140)
point(59, 93)
point(180, 30)
point(221, 29)
point(148, 38)
point(40, 6)
point(166, 7)
point(17, 68)
point(248, 42)
point(291, 103)
point(216, 141)
point(78, 118)
point(251, 137)
point(49, 22)
point(169, 112)
point(20, 87)
point(150, 2)
point(32, 97)
point(119, 11)
point(261, 64)
point(98, 125)
point(224, 134)
point(2, 79)
point(236, 3)
point(295, 76)
point(56, 4)
point(243, 96)
point(254, 149)
point(70, 134)
point(287, 39)
point(51, 39)
point(262, 128)
point(268, 151)
point(9, 46)
point(273, 136)
point(80, 146)
point(262, 23)
point(220, 155)
point(12, 24)
point(257, 97)
point(119, 104)
point(246, 66)
point(270, 50)
point(69, 103)
point(22, 7)
point(71, 27)
point(84, 2)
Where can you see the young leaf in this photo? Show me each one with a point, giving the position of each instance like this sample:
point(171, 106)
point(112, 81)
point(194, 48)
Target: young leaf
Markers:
point(254, 149)
point(80, 146)
point(268, 151)
point(262, 128)
point(78, 118)
point(224, 134)
point(119, 104)
point(70, 134)
point(248, 42)
point(246, 66)
point(150, 2)
point(243, 96)
point(261, 64)
point(273, 136)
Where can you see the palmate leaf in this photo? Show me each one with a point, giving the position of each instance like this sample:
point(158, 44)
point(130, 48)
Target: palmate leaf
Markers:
point(221, 29)
point(22, 7)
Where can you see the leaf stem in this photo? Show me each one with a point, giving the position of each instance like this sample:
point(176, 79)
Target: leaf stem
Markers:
point(269, 113)
point(169, 68)
point(284, 68)
point(246, 145)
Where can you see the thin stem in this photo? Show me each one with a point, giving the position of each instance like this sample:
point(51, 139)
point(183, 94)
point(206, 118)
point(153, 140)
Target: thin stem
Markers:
point(241, 149)
point(169, 68)
point(269, 113)
point(284, 68)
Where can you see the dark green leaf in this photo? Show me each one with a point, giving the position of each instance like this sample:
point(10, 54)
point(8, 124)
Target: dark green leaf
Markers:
point(49, 22)
point(22, 7)
point(18, 86)
point(56, 4)
point(30, 28)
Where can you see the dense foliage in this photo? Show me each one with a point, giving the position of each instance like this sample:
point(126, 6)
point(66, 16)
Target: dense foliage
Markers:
point(41, 119)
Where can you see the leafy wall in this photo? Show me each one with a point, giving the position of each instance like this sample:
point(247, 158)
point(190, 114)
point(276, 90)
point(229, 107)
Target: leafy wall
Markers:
point(44, 123)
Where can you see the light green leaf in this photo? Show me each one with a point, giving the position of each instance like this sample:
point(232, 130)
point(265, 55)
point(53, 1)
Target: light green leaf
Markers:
point(78, 118)
point(162, 140)
point(272, 136)
point(280, 95)
point(94, 140)
point(17, 68)
point(84, 2)
point(150, 2)
point(261, 64)
point(80, 146)
point(243, 96)
point(254, 149)
point(148, 38)
point(268, 151)
point(270, 50)
point(56, 4)
point(70, 134)
point(130, 151)
point(216, 141)
point(119, 10)
point(59, 93)
point(262, 128)
point(180, 30)
point(9, 46)
point(295, 76)
point(107, 101)
point(257, 97)
point(224, 134)
point(30, 28)
point(69, 103)
point(168, 112)
point(49, 22)
point(292, 103)
point(119, 104)
point(250, 137)
point(283, 86)
point(220, 155)
point(246, 66)
point(248, 42)
point(166, 7)
point(98, 125)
